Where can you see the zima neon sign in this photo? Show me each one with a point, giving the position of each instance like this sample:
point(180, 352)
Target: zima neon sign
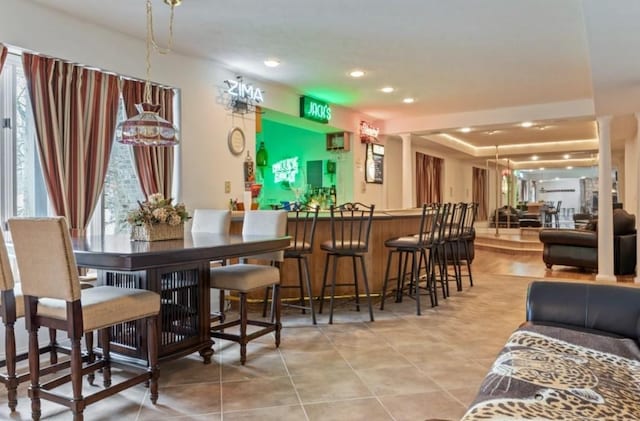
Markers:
point(246, 91)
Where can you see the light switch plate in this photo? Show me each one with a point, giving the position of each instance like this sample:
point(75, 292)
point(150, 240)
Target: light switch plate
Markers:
point(227, 186)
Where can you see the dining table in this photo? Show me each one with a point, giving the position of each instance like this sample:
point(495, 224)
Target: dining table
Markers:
point(178, 270)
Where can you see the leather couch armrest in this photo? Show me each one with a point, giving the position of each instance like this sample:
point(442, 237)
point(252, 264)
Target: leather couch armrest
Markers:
point(609, 308)
point(569, 237)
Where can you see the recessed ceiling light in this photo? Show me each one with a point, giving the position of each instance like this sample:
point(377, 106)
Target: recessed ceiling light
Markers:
point(387, 89)
point(272, 62)
point(526, 124)
point(541, 168)
point(569, 167)
point(492, 132)
point(566, 156)
point(465, 129)
point(408, 100)
point(356, 73)
point(557, 178)
point(534, 158)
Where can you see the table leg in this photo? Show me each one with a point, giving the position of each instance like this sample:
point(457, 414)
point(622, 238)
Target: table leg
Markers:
point(206, 353)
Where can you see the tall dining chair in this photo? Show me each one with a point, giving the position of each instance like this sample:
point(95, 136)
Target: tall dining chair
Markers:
point(350, 226)
point(301, 227)
point(12, 309)
point(213, 221)
point(246, 277)
point(453, 233)
point(465, 246)
point(53, 298)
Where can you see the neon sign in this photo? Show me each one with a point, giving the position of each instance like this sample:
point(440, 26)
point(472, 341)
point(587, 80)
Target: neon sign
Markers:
point(368, 133)
point(315, 110)
point(285, 170)
point(244, 91)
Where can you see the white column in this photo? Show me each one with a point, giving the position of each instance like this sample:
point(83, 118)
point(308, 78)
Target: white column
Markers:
point(407, 173)
point(636, 181)
point(605, 210)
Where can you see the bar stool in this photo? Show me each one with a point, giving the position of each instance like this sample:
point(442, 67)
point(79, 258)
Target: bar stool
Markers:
point(213, 221)
point(453, 233)
point(301, 227)
point(53, 298)
point(412, 247)
point(466, 238)
point(244, 277)
point(350, 231)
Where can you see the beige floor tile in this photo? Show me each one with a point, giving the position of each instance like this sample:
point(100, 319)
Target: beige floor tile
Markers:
point(189, 369)
point(329, 385)
point(422, 406)
point(397, 381)
point(367, 358)
point(310, 362)
point(277, 413)
point(352, 410)
point(183, 400)
point(258, 393)
point(261, 365)
point(455, 373)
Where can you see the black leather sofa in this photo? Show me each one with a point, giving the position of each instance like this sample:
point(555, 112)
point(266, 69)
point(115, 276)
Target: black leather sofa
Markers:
point(579, 248)
point(576, 357)
point(508, 217)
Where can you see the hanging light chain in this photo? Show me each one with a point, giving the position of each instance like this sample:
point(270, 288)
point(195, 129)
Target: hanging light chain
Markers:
point(151, 42)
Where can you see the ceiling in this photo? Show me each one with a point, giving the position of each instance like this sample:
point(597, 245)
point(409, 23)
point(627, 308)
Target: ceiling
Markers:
point(454, 56)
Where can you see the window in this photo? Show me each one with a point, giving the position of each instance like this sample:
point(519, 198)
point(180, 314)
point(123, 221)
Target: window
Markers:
point(121, 189)
point(22, 188)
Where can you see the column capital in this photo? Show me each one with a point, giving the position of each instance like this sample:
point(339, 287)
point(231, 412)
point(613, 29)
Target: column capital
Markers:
point(604, 119)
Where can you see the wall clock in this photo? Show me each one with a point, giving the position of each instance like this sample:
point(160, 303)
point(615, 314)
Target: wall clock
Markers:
point(236, 141)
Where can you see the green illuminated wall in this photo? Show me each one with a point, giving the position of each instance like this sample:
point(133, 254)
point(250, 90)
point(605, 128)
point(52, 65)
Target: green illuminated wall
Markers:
point(283, 141)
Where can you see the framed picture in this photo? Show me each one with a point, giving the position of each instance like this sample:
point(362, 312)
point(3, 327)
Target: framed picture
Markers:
point(374, 164)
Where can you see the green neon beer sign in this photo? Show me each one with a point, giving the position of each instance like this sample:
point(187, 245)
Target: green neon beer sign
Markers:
point(315, 110)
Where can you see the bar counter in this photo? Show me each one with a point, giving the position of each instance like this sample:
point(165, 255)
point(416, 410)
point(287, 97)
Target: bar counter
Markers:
point(386, 224)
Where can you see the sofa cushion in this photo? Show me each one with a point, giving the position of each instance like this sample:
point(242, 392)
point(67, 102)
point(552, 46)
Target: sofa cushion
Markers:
point(569, 237)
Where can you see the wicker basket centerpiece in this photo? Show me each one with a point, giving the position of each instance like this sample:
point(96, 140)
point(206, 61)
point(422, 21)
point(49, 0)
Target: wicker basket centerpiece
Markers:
point(157, 219)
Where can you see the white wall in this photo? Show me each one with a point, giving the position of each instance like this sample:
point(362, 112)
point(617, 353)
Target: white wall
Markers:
point(631, 176)
point(569, 199)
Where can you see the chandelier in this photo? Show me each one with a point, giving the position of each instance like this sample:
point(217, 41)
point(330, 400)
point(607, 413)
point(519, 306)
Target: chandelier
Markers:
point(148, 128)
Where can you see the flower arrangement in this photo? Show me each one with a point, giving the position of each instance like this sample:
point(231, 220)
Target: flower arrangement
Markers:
point(158, 210)
point(157, 219)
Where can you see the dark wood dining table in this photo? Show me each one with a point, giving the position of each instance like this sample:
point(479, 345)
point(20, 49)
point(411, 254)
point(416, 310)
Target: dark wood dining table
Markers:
point(176, 269)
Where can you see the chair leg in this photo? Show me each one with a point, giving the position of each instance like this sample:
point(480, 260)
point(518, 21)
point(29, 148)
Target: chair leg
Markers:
point(415, 271)
point(105, 340)
point(301, 284)
point(333, 288)
point(307, 277)
point(243, 327)
point(91, 356)
point(34, 373)
point(277, 311)
point(324, 283)
point(77, 405)
point(53, 344)
point(221, 303)
point(152, 349)
point(386, 279)
point(467, 254)
point(355, 282)
point(10, 352)
point(265, 302)
point(402, 272)
point(366, 286)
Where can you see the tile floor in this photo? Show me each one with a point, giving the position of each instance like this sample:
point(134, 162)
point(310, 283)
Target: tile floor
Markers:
point(401, 367)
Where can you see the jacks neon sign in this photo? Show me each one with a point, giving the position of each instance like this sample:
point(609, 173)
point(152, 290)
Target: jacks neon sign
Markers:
point(313, 109)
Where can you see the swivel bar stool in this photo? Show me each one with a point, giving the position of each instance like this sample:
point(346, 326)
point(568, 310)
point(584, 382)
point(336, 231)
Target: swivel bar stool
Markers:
point(350, 231)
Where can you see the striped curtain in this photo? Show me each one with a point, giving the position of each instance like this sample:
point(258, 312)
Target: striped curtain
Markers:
point(154, 164)
point(428, 179)
point(75, 112)
point(479, 185)
point(3, 55)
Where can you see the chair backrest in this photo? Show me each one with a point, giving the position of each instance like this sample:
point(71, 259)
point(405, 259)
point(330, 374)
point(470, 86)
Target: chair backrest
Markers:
point(214, 221)
point(430, 220)
point(558, 205)
point(45, 258)
point(6, 276)
point(351, 225)
point(453, 226)
point(444, 219)
point(302, 229)
point(271, 223)
point(469, 219)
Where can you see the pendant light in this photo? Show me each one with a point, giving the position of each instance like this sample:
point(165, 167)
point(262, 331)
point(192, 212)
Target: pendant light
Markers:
point(148, 128)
